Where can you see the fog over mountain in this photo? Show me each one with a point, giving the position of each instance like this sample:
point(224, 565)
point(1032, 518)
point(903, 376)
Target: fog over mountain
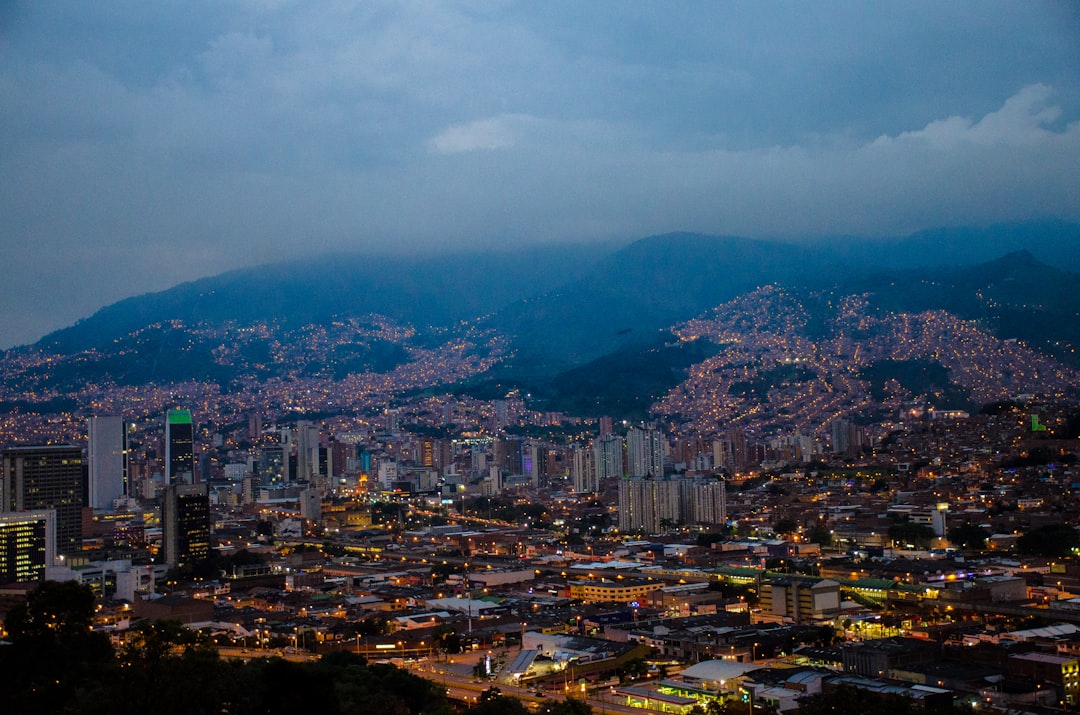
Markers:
point(147, 145)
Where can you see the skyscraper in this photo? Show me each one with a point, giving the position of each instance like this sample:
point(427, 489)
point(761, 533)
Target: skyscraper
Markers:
point(49, 477)
point(106, 456)
point(307, 451)
point(185, 524)
point(179, 448)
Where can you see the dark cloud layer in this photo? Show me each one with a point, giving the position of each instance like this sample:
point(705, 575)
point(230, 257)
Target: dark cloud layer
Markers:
point(143, 144)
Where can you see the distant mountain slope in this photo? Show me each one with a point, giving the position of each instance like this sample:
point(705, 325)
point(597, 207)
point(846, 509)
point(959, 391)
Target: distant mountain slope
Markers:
point(568, 324)
point(776, 374)
point(1015, 296)
point(436, 290)
point(1056, 243)
point(639, 290)
point(592, 298)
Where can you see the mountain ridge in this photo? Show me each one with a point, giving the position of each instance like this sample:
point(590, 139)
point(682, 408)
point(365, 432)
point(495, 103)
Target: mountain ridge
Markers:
point(608, 308)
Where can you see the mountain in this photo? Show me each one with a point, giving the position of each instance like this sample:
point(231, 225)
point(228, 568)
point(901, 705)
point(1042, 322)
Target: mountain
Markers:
point(427, 290)
point(1013, 297)
point(639, 290)
point(786, 363)
point(569, 325)
point(1054, 243)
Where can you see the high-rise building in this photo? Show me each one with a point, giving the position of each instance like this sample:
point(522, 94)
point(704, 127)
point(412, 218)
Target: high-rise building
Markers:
point(648, 505)
point(185, 524)
point(607, 426)
point(534, 464)
point(107, 459)
point(392, 421)
point(651, 505)
point(583, 470)
point(27, 545)
point(608, 457)
point(179, 448)
point(311, 504)
point(254, 427)
point(703, 502)
point(49, 477)
point(506, 453)
point(307, 452)
point(644, 452)
point(426, 452)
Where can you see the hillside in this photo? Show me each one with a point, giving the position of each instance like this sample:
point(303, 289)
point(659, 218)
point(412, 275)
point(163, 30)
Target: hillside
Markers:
point(580, 329)
point(777, 370)
point(428, 290)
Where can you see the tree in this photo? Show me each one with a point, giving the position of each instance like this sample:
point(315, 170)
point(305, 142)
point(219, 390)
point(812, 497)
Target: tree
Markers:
point(1049, 540)
point(500, 705)
point(785, 526)
point(171, 670)
point(819, 535)
point(55, 659)
point(53, 610)
point(968, 536)
point(447, 639)
point(908, 532)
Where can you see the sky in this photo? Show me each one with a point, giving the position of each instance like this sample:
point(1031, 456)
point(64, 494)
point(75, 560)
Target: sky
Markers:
point(146, 144)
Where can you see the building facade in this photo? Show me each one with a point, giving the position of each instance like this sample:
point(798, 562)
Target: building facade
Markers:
point(106, 457)
point(27, 545)
point(48, 477)
point(185, 524)
point(179, 448)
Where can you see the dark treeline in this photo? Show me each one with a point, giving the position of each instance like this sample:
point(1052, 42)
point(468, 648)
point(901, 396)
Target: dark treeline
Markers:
point(54, 663)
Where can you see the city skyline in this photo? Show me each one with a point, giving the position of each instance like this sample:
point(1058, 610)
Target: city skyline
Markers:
point(248, 134)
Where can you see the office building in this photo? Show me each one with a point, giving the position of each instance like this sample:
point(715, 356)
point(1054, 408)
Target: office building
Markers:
point(27, 545)
point(179, 448)
point(506, 453)
point(185, 524)
point(49, 477)
point(106, 457)
point(307, 452)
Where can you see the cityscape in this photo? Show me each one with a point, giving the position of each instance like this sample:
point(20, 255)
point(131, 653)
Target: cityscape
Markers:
point(777, 529)
point(558, 358)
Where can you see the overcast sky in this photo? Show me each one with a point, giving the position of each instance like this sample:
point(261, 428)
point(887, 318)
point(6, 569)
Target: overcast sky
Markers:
point(147, 143)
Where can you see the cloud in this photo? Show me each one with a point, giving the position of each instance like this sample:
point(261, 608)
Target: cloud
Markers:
point(1023, 119)
point(480, 135)
point(156, 145)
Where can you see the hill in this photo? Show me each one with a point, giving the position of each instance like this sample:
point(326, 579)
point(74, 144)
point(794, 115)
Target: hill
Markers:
point(579, 328)
point(430, 290)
